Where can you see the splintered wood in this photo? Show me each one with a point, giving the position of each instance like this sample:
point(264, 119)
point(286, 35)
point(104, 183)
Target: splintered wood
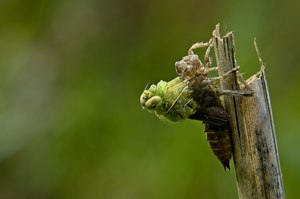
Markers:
point(255, 152)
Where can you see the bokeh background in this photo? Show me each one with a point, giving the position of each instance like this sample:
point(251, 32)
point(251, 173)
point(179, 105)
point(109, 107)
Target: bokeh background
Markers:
point(71, 74)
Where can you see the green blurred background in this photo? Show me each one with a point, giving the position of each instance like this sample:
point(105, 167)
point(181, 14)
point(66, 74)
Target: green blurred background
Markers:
point(71, 125)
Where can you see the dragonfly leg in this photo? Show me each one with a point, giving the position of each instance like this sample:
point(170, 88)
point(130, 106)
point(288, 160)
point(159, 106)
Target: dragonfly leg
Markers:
point(241, 79)
point(199, 45)
point(215, 80)
point(245, 92)
point(242, 93)
point(207, 59)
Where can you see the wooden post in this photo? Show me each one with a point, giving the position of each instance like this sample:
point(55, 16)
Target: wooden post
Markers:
point(255, 152)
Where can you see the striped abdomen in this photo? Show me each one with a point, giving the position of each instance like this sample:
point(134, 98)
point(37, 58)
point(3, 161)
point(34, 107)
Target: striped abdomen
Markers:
point(216, 122)
point(219, 140)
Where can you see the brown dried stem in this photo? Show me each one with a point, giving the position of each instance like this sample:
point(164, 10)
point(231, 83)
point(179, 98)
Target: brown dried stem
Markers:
point(255, 152)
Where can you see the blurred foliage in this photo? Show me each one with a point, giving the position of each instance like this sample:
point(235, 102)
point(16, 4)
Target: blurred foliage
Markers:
point(71, 75)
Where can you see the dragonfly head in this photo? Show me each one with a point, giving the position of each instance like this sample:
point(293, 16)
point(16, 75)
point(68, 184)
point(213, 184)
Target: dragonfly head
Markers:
point(148, 100)
point(188, 66)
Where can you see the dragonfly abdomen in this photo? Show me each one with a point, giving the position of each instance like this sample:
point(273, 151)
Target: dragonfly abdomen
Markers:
point(219, 140)
point(216, 121)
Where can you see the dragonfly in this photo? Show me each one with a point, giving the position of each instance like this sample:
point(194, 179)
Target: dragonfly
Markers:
point(195, 95)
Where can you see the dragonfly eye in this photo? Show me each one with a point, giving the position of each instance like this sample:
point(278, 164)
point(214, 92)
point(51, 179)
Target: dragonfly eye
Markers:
point(152, 102)
point(180, 67)
point(195, 61)
point(146, 95)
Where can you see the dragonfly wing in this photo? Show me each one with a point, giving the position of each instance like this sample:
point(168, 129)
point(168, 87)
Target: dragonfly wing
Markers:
point(211, 115)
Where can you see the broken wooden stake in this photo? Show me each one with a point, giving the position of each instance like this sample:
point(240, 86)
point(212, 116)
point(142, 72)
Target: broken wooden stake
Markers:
point(255, 151)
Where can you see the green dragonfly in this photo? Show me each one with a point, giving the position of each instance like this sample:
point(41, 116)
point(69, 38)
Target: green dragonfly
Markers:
point(194, 95)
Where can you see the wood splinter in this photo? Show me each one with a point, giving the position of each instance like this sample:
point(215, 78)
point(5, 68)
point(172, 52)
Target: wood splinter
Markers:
point(255, 150)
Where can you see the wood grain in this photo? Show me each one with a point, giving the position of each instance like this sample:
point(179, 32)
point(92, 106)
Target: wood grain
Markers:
point(255, 152)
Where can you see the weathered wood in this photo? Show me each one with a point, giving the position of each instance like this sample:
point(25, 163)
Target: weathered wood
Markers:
point(255, 152)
